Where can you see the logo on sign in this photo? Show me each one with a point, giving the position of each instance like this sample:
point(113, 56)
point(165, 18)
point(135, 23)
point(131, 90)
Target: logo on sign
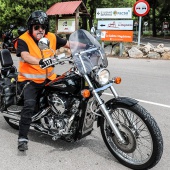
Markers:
point(121, 13)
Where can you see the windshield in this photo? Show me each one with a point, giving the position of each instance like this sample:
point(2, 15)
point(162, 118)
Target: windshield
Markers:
point(86, 51)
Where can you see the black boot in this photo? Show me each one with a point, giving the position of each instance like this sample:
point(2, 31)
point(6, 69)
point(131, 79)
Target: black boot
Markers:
point(22, 145)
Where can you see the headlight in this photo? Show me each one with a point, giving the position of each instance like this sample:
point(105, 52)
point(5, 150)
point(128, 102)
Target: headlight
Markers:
point(103, 76)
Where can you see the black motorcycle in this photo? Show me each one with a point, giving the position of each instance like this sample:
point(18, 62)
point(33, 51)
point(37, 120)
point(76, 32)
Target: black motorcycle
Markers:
point(9, 42)
point(69, 105)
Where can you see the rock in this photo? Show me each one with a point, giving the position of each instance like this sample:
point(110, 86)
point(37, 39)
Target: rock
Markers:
point(135, 53)
point(108, 49)
point(125, 54)
point(154, 55)
point(160, 46)
point(166, 49)
point(113, 52)
point(151, 46)
point(147, 48)
point(166, 55)
point(159, 50)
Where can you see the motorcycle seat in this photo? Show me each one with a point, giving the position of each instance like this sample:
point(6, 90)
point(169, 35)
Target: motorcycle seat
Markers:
point(8, 69)
point(5, 58)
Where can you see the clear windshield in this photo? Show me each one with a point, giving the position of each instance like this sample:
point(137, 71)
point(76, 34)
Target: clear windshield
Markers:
point(86, 51)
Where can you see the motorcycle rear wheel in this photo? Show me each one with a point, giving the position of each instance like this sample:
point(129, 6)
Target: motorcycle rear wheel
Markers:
point(144, 143)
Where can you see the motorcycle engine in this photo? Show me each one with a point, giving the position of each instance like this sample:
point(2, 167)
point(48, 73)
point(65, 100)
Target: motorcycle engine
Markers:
point(60, 120)
point(59, 103)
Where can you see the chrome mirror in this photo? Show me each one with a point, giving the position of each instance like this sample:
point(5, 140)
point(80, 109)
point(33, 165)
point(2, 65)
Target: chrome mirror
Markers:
point(44, 44)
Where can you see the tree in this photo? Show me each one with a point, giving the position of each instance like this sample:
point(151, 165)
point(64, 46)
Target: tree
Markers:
point(16, 12)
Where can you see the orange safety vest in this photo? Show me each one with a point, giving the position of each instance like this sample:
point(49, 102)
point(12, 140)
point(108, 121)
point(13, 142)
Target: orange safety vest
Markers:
point(35, 72)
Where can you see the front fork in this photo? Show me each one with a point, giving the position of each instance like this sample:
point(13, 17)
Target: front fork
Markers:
point(104, 109)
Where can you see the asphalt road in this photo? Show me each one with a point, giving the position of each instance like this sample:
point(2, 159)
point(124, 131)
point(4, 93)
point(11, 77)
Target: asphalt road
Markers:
point(154, 41)
point(142, 79)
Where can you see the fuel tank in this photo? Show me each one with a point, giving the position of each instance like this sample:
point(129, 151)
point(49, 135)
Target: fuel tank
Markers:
point(67, 83)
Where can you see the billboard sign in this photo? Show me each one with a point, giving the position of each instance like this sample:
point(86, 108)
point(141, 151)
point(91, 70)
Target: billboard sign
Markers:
point(113, 13)
point(121, 36)
point(66, 25)
point(115, 25)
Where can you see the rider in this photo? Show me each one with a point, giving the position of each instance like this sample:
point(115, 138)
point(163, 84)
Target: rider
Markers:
point(31, 76)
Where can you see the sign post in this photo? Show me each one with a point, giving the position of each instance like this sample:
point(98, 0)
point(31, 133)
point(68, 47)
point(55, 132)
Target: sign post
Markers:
point(141, 8)
point(136, 25)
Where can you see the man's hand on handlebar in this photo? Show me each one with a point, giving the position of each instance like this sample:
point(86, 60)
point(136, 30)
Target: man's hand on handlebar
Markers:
point(44, 63)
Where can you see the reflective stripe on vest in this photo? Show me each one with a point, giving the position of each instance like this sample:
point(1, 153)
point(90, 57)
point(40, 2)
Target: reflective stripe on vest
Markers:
point(37, 76)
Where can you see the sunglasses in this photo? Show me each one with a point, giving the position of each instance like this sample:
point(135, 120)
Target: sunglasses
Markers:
point(37, 27)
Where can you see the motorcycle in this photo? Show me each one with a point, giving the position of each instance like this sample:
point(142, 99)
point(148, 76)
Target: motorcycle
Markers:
point(69, 105)
point(9, 42)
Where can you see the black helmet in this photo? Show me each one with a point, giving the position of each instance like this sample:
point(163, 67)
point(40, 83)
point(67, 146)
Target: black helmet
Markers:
point(38, 17)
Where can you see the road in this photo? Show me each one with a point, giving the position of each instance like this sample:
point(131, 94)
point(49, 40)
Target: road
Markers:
point(143, 79)
point(154, 41)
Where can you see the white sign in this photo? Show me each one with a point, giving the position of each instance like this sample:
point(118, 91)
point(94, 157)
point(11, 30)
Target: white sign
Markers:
point(115, 25)
point(136, 23)
point(141, 8)
point(145, 23)
point(66, 25)
point(113, 12)
point(92, 30)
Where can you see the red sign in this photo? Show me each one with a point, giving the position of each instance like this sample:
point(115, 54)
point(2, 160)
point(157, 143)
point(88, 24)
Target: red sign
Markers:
point(121, 36)
point(141, 8)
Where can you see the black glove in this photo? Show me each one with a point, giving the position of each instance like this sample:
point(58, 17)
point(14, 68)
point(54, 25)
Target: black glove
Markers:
point(44, 63)
point(88, 46)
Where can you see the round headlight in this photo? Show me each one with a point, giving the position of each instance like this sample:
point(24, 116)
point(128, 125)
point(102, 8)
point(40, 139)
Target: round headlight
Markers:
point(103, 76)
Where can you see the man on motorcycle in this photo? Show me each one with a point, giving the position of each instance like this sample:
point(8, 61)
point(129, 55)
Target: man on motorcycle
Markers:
point(32, 77)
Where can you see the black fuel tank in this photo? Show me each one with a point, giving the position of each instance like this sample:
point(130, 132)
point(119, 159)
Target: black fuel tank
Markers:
point(70, 83)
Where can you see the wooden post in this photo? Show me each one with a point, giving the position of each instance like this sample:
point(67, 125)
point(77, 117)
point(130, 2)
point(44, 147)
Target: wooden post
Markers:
point(77, 19)
point(56, 24)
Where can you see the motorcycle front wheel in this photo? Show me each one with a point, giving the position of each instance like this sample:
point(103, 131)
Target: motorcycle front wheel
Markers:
point(144, 144)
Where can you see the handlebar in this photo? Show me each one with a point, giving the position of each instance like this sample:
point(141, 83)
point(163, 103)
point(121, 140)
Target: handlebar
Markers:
point(57, 59)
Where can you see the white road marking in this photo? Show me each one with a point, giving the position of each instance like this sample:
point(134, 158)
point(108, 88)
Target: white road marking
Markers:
point(144, 101)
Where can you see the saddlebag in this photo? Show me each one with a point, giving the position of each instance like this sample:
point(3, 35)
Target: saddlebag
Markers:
point(7, 93)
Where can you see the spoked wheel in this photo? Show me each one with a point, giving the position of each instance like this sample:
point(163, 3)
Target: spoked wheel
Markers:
point(144, 144)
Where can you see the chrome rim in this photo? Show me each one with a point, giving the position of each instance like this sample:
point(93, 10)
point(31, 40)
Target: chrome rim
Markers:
point(139, 145)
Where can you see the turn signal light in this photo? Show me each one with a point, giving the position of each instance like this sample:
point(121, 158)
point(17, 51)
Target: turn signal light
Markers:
point(85, 93)
point(117, 80)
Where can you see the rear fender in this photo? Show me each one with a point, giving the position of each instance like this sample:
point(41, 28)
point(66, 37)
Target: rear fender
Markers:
point(120, 100)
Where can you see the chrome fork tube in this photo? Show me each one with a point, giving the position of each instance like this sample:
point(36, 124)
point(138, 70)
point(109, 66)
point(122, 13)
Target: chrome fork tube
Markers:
point(106, 112)
point(114, 92)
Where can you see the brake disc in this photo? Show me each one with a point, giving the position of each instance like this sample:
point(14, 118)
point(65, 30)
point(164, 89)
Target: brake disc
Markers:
point(130, 140)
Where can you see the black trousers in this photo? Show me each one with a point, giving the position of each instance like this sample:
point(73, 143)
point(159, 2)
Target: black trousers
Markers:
point(30, 93)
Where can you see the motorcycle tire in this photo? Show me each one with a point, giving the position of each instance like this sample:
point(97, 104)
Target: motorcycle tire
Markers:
point(14, 126)
point(144, 143)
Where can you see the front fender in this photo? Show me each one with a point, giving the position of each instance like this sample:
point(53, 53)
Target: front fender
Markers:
point(120, 100)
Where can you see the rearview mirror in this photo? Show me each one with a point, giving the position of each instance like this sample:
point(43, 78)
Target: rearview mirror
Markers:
point(44, 43)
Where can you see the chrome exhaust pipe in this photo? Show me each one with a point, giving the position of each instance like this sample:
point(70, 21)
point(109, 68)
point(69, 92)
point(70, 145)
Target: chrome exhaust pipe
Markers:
point(11, 115)
point(15, 122)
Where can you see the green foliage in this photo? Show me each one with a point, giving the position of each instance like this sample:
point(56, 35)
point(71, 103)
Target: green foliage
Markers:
point(17, 11)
